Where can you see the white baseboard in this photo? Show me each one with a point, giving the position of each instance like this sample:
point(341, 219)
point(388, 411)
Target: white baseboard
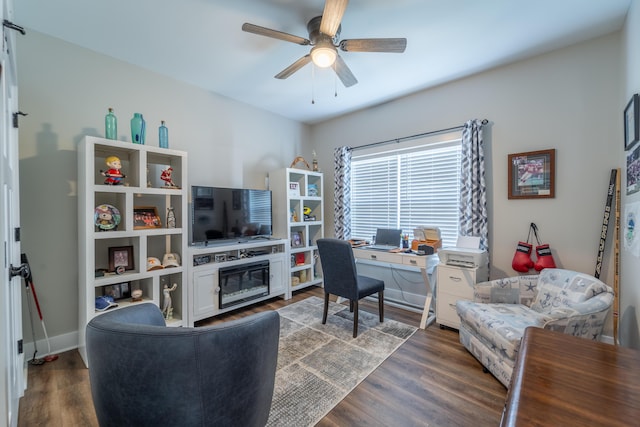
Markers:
point(606, 339)
point(59, 344)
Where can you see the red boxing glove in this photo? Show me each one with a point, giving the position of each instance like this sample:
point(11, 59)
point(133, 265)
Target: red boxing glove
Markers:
point(522, 259)
point(545, 258)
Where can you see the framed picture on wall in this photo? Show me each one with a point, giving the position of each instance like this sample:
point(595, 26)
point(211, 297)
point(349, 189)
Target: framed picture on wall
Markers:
point(532, 174)
point(633, 170)
point(631, 119)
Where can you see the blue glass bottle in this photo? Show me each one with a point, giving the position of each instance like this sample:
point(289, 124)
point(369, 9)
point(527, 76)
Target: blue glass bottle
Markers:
point(163, 135)
point(138, 129)
point(111, 125)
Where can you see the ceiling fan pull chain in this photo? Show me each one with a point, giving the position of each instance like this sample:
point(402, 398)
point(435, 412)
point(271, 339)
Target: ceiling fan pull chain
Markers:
point(335, 84)
point(313, 84)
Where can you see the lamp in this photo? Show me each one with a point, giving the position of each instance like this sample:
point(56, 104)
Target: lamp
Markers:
point(324, 54)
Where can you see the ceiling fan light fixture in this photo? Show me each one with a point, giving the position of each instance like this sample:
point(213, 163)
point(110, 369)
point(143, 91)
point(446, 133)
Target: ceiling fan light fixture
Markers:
point(324, 55)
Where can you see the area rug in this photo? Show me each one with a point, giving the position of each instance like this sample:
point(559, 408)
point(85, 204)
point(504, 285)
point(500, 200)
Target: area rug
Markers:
point(318, 365)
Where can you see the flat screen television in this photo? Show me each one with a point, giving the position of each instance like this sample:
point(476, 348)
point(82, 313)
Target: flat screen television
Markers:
point(219, 214)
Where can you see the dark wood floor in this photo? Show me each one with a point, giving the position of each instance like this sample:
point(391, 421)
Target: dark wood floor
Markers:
point(431, 380)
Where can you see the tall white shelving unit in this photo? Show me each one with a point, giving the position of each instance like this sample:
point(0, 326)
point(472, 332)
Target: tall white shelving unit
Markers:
point(142, 187)
point(293, 190)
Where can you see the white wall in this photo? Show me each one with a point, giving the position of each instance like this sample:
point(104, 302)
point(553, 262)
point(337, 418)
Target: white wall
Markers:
point(568, 100)
point(630, 264)
point(66, 91)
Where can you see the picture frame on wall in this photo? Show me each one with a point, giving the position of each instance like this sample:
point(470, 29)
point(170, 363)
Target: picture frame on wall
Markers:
point(121, 259)
point(633, 170)
point(146, 217)
point(532, 174)
point(631, 125)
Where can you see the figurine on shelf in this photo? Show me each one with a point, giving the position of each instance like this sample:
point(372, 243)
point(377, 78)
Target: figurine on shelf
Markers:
point(171, 218)
point(113, 174)
point(167, 308)
point(166, 177)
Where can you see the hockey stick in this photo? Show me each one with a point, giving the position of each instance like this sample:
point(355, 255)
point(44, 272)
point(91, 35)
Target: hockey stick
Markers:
point(605, 222)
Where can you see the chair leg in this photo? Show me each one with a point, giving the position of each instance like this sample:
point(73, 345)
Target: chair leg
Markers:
point(326, 308)
point(351, 306)
point(355, 318)
point(381, 305)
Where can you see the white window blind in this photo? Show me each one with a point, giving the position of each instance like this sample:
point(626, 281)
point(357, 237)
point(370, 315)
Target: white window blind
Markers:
point(406, 189)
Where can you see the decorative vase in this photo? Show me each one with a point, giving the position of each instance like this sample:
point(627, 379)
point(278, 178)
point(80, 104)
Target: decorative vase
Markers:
point(138, 129)
point(163, 135)
point(111, 125)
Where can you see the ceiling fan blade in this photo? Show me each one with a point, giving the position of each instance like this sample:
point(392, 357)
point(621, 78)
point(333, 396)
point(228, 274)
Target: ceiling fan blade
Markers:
point(374, 45)
point(294, 67)
point(345, 74)
point(332, 15)
point(268, 32)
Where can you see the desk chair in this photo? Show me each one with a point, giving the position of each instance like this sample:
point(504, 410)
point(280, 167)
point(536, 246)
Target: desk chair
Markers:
point(341, 279)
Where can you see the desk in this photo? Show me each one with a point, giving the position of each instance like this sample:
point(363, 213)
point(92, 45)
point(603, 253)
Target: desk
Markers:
point(409, 262)
point(561, 380)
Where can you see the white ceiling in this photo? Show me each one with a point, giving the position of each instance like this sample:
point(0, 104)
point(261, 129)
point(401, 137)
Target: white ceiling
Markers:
point(201, 42)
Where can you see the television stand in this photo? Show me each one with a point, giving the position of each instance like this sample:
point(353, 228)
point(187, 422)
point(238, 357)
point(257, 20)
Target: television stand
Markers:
point(206, 263)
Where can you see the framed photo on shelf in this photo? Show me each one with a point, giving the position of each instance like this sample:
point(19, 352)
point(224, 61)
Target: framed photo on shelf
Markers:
point(121, 259)
point(296, 239)
point(631, 119)
point(294, 189)
point(118, 291)
point(532, 174)
point(146, 217)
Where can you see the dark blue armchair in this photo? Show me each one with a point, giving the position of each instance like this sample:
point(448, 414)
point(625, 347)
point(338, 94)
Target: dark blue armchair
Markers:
point(146, 374)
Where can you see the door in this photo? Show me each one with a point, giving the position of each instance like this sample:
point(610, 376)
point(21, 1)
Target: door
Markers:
point(12, 378)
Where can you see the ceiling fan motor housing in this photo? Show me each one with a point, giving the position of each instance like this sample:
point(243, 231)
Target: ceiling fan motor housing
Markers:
point(313, 27)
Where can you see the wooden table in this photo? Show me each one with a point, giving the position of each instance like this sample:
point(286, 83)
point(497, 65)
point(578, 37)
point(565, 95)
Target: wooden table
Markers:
point(560, 380)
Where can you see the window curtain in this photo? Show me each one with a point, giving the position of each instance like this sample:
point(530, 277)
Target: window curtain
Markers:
point(342, 192)
point(473, 190)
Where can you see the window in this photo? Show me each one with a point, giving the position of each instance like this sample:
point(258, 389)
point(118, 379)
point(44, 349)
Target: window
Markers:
point(417, 186)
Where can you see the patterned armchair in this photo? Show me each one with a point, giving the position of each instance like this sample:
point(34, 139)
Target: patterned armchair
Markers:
point(492, 326)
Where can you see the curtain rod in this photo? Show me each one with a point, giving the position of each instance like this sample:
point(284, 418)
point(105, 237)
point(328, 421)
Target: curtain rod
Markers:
point(407, 138)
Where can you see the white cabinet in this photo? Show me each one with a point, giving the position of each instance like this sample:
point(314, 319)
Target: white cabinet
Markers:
point(138, 235)
point(298, 216)
point(217, 268)
point(455, 283)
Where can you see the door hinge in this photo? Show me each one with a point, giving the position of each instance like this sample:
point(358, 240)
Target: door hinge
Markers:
point(20, 347)
point(16, 234)
point(11, 25)
point(15, 118)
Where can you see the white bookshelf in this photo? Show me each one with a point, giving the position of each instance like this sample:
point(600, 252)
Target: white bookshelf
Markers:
point(141, 187)
point(289, 221)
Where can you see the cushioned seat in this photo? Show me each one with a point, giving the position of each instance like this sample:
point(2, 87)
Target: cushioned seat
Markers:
point(341, 278)
point(492, 326)
point(146, 374)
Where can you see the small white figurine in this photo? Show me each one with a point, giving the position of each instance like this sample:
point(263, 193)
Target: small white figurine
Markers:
point(167, 308)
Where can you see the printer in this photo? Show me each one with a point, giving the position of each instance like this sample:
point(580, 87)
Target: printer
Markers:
point(463, 257)
point(466, 253)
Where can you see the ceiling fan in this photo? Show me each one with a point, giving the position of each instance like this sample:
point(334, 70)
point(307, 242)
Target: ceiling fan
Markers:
point(324, 33)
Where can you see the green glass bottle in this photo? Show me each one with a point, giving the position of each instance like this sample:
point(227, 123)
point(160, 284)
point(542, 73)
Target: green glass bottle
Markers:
point(138, 129)
point(163, 135)
point(111, 125)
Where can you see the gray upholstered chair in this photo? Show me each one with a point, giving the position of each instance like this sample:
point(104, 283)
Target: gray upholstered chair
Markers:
point(146, 374)
point(341, 279)
point(492, 326)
